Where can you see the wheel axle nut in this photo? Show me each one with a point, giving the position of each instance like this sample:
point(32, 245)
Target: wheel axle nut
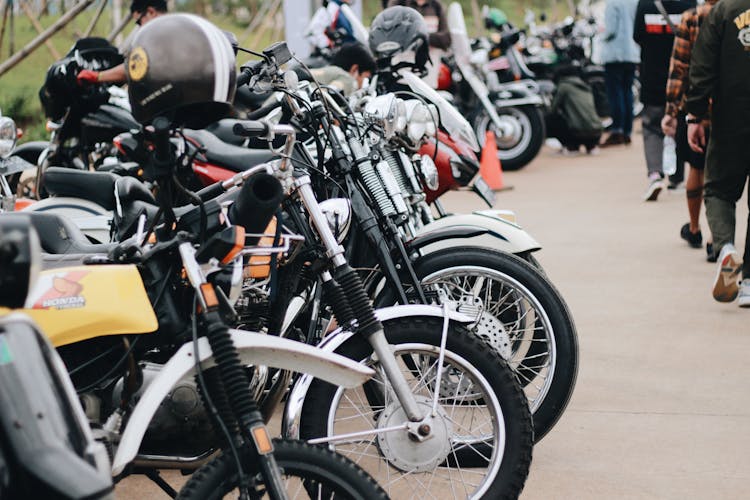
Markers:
point(424, 430)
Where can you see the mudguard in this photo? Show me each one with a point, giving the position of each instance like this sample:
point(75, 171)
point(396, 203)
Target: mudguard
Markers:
point(31, 151)
point(482, 228)
point(296, 398)
point(92, 219)
point(253, 349)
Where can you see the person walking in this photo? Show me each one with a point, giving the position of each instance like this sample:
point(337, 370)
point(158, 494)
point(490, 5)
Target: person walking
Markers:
point(719, 71)
point(673, 124)
point(619, 56)
point(654, 33)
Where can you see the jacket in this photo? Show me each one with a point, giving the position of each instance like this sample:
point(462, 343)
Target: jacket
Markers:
point(617, 40)
point(720, 68)
point(679, 64)
point(656, 39)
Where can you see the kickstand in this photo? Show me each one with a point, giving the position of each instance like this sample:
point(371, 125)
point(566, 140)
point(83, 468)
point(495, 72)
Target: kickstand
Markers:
point(160, 482)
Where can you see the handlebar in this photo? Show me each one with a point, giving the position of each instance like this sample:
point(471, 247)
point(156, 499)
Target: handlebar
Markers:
point(258, 200)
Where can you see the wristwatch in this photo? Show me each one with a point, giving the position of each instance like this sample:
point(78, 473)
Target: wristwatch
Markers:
point(692, 120)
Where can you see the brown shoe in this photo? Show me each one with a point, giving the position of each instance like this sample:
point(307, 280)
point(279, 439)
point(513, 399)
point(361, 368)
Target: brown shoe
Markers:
point(627, 139)
point(614, 139)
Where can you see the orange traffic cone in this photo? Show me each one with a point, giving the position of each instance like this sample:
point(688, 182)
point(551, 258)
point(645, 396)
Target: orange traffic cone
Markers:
point(489, 166)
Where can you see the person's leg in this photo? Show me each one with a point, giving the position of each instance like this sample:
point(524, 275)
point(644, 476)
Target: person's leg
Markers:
point(627, 99)
point(653, 138)
point(694, 194)
point(612, 79)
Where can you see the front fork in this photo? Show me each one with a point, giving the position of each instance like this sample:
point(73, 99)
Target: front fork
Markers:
point(362, 308)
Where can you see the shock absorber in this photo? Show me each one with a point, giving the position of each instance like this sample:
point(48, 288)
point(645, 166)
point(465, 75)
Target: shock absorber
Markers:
point(370, 178)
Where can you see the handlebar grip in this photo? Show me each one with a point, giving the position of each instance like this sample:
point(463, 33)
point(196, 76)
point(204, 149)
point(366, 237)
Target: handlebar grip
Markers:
point(244, 77)
point(256, 204)
point(210, 192)
point(263, 111)
point(161, 138)
point(251, 128)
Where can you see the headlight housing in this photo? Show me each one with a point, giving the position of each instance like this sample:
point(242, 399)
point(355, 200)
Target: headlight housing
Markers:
point(7, 136)
point(429, 173)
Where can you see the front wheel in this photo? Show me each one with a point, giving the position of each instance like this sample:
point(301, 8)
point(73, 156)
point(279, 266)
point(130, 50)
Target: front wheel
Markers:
point(481, 434)
point(308, 472)
point(521, 137)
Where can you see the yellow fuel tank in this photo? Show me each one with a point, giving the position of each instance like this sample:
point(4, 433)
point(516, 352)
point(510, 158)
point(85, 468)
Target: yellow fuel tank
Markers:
point(79, 303)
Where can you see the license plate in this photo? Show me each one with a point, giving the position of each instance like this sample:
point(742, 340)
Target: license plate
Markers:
point(482, 189)
point(13, 165)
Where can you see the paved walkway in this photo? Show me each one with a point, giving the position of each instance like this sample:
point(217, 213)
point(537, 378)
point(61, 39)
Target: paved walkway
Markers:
point(662, 408)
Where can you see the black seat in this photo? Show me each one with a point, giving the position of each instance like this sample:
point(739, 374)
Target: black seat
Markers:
point(59, 235)
point(98, 187)
point(225, 155)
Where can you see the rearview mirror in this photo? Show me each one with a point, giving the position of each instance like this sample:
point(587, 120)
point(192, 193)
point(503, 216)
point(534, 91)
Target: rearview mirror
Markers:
point(19, 259)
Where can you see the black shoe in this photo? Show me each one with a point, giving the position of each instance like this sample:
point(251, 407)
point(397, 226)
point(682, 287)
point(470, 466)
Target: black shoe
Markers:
point(695, 240)
point(710, 255)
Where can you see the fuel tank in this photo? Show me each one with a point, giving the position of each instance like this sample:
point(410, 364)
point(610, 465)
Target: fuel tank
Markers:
point(79, 303)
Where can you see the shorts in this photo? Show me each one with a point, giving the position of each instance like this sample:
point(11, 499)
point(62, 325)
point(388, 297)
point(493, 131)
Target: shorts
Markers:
point(684, 153)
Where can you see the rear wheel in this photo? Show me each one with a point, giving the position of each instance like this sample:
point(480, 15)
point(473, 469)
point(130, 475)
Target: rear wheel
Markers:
point(308, 472)
point(481, 432)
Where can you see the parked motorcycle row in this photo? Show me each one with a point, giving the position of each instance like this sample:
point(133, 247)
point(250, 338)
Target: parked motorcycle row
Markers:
point(172, 283)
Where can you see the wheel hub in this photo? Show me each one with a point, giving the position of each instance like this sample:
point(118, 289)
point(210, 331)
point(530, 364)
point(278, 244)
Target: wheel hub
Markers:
point(508, 132)
point(413, 455)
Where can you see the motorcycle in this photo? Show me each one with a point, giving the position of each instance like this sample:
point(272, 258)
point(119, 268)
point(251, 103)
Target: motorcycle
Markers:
point(511, 111)
point(46, 446)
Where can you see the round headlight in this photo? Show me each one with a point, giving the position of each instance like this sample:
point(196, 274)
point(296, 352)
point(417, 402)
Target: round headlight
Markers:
point(338, 213)
point(430, 173)
point(7, 136)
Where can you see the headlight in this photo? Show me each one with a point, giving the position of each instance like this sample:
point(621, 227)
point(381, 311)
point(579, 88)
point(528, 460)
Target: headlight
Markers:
point(430, 173)
point(338, 213)
point(7, 136)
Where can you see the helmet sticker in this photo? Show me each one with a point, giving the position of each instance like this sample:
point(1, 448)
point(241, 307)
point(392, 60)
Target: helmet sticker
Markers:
point(137, 64)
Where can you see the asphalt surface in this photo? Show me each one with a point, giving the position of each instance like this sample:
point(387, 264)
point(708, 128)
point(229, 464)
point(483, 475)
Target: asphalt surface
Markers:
point(661, 408)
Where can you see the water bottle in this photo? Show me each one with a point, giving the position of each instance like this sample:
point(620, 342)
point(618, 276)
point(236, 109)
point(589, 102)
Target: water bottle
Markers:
point(669, 156)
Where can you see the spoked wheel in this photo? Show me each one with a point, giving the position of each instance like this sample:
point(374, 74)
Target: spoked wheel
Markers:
point(480, 432)
point(309, 472)
point(521, 136)
point(518, 312)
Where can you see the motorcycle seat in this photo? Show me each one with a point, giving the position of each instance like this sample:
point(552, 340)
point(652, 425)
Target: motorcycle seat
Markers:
point(58, 235)
point(224, 130)
point(98, 187)
point(228, 156)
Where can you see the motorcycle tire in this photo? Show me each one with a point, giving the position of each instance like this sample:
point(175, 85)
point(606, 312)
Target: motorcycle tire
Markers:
point(308, 469)
point(416, 341)
point(543, 352)
point(514, 154)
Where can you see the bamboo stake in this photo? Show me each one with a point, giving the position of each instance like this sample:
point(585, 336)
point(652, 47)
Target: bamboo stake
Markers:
point(5, 20)
point(95, 20)
point(118, 29)
point(38, 27)
point(36, 42)
point(12, 28)
point(476, 13)
point(270, 14)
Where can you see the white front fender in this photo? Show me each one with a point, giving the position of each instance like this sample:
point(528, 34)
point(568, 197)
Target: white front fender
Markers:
point(503, 235)
point(296, 398)
point(254, 349)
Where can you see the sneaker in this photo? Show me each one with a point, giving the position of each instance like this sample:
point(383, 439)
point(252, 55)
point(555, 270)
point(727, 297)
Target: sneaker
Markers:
point(744, 296)
point(726, 283)
point(695, 240)
point(710, 255)
point(654, 188)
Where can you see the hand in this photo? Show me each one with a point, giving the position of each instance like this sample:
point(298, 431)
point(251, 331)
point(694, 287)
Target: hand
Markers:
point(669, 125)
point(88, 76)
point(696, 137)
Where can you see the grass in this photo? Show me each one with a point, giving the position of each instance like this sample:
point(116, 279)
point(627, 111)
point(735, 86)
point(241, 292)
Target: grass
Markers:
point(20, 86)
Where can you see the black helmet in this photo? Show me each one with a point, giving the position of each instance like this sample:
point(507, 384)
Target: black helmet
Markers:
point(398, 30)
point(142, 5)
point(182, 67)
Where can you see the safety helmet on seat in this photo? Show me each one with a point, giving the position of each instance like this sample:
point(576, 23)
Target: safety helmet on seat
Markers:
point(182, 67)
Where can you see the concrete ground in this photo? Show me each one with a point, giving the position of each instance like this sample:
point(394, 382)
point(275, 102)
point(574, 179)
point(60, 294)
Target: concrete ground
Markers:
point(661, 409)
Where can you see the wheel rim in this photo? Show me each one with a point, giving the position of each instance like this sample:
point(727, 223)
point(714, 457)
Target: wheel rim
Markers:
point(526, 326)
point(513, 145)
point(474, 420)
